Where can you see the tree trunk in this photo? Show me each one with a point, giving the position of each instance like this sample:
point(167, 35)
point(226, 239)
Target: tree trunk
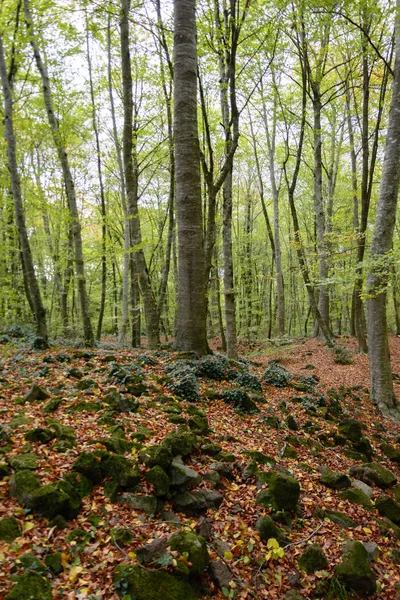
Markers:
point(68, 181)
point(131, 183)
point(32, 284)
point(381, 383)
point(192, 306)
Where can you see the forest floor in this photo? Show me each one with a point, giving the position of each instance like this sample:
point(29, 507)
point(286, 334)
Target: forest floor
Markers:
point(89, 558)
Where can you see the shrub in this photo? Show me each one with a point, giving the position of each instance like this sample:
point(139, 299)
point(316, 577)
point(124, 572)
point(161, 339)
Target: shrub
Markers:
point(342, 355)
point(276, 375)
point(249, 381)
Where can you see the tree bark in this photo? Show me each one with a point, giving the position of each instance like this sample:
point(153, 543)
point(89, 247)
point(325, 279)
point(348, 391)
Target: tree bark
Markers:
point(381, 383)
point(32, 285)
point(192, 305)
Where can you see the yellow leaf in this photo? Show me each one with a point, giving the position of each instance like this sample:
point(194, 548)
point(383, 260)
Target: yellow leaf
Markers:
point(132, 555)
point(74, 572)
point(228, 555)
point(272, 543)
point(367, 530)
point(64, 560)
point(28, 526)
point(109, 507)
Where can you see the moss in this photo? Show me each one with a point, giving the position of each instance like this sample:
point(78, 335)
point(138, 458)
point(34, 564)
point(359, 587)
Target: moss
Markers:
point(63, 432)
point(88, 464)
point(147, 504)
point(391, 453)
point(36, 393)
point(179, 443)
point(54, 499)
point(145, 584)
point(9, 529)
point(334, 480)
point(30, 586)
point(4, 470)
point(20, 462)
point(22, 484)
point(159, 479)
point(354, 571)
point(79, 482)
point(388, 508)
point(30, 562)
point(382, 477)
point(313, 559)
point(40, 434)
point(121, 536)
point(284, 491)
point(356, 496)
point(199, 424)
point(156, 456)
point(53, 562)
point(194, 548)
point(351, 429)
point(340, 519)
point(267, 530)
point(85, 406)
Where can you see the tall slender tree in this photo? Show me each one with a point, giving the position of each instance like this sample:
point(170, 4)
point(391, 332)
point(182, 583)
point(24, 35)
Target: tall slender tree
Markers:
point(191, 318)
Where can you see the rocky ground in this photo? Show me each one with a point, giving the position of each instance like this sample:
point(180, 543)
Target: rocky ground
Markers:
point(157, 476)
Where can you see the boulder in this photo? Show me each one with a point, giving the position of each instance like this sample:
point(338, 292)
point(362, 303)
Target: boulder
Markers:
point(220, 573)
point(58, 498)
point(199, 424)
point(284, 491)
point(88, 464)
point(36, 393)
point(53, 562)
point(372, 550)
point(9, 529)
point(388, 508)
point(30, 586)
point(373, 473)
point(340, 519)
point(156, 456)
point(22, 484)
point(150, 553)
point(182, 476)
point(194, 548)
point(40, 434)
point(179, 443)
point(145, 584)
point(20, 462)
point(356, 496)
point(360, 485)
point(267, 529)
point(159, 479)
point(312, 559)
point(334, 479)
point(391, 453)
point(147, 504)
point(354, 571)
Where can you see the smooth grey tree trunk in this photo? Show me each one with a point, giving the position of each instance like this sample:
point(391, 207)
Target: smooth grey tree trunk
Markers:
point(192, 305)
point(68, 180)
point(31, 284)
point(381, 383)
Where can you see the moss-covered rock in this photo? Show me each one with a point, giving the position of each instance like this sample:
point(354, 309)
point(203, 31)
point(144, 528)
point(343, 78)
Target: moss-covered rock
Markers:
point(199, 424)
point(30, 586)
point(357, 496)
point(334, 479)
point(4, 470)
point(193, 548)
point(53, 562)
point(284, 491)
point(9, 529)
point(36, 393)
point(354, 572)
point(391, 453)
point(121, 470)
point(159, 480)
point(22, 484)
point(313, 559)
point(241, 401)
point(153, 456)
point(88, 464)
point(182, 476)
point(21, 462)
point(147, 504)
point(351, 429)
point(340, 519)
point(120, 536)
point(52, 405)
point(389, 508)
point(179, 443)
point(58, 498)
point(40, 434)
point(79, 482)
point(267, 529)
point(146, 584)
point(373, 472)
point(63, 432)
point(31, 562)
point(276, 375)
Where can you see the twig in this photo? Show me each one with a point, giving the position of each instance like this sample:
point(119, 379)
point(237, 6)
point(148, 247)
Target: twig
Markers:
point(303, 541)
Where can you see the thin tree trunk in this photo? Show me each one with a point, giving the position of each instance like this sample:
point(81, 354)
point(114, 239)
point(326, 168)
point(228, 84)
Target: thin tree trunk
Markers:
point(68, 180)
point(31, 283)
point(103, 211)
point(381, 383)
point(131, 183)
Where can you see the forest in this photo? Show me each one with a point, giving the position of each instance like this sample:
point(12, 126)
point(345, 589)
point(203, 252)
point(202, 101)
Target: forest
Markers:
point(199, 299)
